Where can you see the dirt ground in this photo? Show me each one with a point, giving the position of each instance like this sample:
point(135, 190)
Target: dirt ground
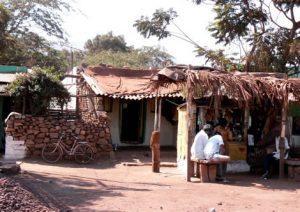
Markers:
point(108, 185)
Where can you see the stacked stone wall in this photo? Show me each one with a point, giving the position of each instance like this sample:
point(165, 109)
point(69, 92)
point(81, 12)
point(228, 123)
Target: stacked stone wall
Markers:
point(36, 131)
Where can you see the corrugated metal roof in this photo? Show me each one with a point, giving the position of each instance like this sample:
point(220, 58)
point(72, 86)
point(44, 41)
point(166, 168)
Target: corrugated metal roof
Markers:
point(13, 69)
point(125, 83)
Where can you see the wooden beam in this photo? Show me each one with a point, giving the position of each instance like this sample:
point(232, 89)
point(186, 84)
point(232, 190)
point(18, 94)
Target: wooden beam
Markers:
point(191, 125)
point(155, 137)
point(246, 123)
point(283, 133)
point(93, 106)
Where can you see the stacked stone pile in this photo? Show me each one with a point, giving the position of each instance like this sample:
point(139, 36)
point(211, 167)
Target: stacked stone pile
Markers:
point(36, 131)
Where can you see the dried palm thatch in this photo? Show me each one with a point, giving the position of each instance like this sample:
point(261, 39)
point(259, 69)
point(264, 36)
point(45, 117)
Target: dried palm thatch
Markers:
point(242, 87)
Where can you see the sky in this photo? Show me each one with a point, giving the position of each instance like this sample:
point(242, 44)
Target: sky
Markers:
point(118, 16)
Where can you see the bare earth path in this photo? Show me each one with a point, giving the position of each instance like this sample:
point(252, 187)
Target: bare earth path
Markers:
point(108, 185)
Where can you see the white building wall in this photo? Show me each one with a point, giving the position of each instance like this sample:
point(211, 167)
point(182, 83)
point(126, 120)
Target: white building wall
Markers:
point(168, 131)
point(70, 84)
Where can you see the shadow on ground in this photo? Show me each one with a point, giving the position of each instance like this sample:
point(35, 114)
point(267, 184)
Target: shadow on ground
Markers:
point(75, 191)
point(125, 156)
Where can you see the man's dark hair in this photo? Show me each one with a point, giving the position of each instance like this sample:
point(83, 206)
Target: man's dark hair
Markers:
point(223, 122)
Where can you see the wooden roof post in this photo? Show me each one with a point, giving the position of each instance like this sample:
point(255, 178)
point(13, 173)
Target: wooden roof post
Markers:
point(285, 101)
point(246, 123)
point(216, 103)
point(191, 125)
point(155, 136)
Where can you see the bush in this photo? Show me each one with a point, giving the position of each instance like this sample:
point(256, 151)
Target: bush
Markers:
point(34, 91)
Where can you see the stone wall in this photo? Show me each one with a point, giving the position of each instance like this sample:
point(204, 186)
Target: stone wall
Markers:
point(36, 131)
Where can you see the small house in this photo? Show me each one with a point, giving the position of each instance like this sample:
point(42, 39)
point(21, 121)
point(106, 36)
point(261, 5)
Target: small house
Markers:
point(127, 98)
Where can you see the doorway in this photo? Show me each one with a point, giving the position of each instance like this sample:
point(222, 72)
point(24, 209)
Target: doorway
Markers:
point(132, 121)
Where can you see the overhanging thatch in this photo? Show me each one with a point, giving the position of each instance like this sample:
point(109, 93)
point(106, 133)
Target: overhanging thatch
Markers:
point(240, 86)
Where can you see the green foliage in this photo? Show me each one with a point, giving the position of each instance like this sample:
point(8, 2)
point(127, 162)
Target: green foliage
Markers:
point(217, 58)
point(4, 19)
point(264, 44)
point(136, 58)
point(20, 44)
point(112, 50)
point(233, 20)
point(157, 26)
point(252, 23)
point(34, 91)
point(107, 42)
point(44, 14)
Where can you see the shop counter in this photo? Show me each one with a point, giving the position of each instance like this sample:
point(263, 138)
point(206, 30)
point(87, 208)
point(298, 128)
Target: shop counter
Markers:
point(237, 150)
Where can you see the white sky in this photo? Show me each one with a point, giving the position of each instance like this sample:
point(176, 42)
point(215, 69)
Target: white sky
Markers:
point(118, 16)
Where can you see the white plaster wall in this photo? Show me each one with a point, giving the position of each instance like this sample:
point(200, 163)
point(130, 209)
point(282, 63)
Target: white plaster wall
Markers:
point(295, 140)
point(168, 133)
point(114, 126)
point(70, 85)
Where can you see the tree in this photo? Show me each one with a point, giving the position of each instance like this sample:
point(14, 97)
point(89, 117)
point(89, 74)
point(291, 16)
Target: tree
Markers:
point(113, 50)
point(22, 24)
point(25, 15)
point(34, 91)
point(266, 41)
point(107, 42)
point(137, 58)
point(4, 19)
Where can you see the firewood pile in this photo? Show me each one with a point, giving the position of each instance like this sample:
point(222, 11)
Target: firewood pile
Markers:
point(34, 132)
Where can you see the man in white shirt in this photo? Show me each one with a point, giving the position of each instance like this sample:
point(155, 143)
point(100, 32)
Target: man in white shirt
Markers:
point(275, 156)
point(213, 151)
point(200, 141)
point(214, 148)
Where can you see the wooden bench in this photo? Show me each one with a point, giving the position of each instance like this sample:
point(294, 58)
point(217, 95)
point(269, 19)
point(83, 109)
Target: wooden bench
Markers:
point(205, 170)
point(293, 168)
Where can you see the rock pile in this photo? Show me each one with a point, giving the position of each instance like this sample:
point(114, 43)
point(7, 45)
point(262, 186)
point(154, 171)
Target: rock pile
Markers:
point(14, 198)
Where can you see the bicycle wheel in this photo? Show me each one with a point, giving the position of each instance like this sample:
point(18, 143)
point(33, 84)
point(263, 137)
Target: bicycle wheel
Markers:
point(51, 152)
point(83, 153)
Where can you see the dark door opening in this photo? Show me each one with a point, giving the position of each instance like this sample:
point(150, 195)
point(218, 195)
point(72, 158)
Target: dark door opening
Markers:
point(131, 121)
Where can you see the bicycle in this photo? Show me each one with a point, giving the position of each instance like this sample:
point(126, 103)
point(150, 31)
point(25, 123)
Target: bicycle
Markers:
point(53, 152)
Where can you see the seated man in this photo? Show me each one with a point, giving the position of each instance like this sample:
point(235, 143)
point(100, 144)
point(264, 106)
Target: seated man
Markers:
point(213, 151)
point(200, 141)
point(274, 156)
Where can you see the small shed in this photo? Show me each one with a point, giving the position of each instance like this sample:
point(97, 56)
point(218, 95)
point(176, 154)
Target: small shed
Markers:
point(126, 96)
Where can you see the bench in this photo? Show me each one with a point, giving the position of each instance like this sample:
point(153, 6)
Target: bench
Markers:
point(206, 170)
point(293, 168)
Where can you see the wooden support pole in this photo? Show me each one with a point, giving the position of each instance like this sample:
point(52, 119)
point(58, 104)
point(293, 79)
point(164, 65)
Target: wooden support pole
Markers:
point(91, 100)
point(246, 123)
point(155, 147)
point(216, 103)
point(155, 137)
point(191, 125)
point(282, 134)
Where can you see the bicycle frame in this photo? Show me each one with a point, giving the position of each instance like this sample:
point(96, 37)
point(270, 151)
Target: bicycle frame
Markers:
point(64, 147)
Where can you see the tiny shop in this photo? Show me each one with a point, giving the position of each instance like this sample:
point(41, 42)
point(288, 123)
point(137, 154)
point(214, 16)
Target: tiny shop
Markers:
point(256, 108)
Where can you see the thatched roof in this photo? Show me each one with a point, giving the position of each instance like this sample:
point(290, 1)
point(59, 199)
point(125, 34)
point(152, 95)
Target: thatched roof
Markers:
point(240, 86)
